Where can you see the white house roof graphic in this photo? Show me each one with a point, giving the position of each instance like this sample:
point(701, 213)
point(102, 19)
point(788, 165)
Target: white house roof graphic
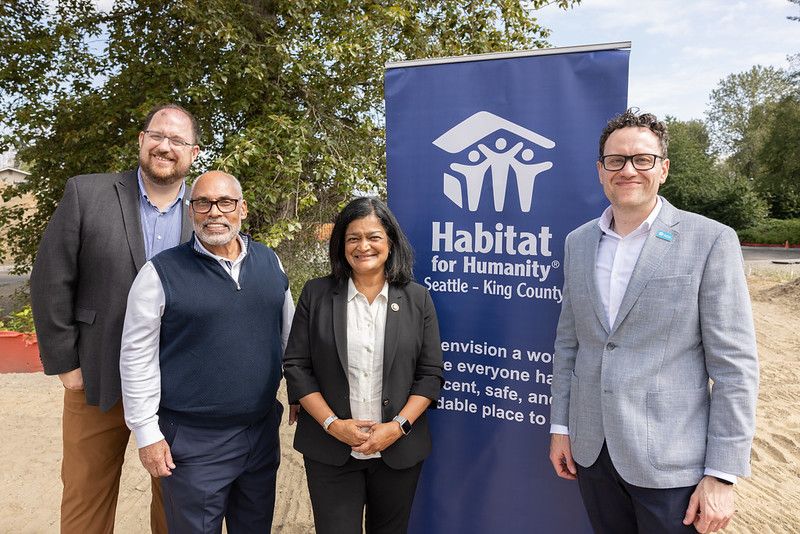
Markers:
point(478, 126)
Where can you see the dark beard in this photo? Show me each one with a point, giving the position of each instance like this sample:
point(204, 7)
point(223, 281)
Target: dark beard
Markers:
point(162, 179)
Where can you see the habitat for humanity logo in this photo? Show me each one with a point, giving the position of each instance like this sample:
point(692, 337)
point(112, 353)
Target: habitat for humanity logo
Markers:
point(465, 135)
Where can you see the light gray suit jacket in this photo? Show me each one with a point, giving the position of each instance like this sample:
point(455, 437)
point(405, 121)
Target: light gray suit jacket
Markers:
point(642, 384)
point(87, 260)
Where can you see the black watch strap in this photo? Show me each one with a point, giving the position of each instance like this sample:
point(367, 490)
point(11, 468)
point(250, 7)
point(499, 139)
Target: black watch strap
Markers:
point(727, 482)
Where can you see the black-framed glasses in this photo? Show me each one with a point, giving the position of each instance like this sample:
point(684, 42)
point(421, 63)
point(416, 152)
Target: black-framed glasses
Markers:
point(174, 142)
point(641, 162)
point(224, 205)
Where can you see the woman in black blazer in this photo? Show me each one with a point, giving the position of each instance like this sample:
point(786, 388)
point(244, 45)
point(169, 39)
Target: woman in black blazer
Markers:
point(364, 361)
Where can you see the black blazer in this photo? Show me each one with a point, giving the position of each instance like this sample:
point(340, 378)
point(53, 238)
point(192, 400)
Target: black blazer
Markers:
point(88, 257)
point(316, 361)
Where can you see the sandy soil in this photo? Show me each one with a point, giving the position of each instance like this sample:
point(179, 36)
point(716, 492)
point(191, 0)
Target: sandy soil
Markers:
point(30, 407)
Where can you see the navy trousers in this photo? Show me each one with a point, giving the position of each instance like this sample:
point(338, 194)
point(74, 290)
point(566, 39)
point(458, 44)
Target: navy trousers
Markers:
point(616, 507)
point(221, 473)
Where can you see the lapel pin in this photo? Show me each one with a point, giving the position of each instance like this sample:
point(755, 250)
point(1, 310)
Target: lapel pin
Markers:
point(395, 306)
point(666, 236)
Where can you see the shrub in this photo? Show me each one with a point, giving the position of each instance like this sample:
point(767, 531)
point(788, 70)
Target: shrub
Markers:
point(772, 231)
point(19, 321)
point(303, 258)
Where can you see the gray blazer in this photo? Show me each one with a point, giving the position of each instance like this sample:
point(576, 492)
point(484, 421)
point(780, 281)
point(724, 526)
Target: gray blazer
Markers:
point(642, 384)
point(316, 361)
point(87, 260)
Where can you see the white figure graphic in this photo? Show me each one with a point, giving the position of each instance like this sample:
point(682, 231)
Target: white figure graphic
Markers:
point(472, 130)
point(526, 175)
point(474, 175)
point(500, 162)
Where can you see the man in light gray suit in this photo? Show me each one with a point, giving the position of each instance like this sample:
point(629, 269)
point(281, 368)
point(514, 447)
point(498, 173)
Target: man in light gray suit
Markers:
point(655, 305)
point(104, 229)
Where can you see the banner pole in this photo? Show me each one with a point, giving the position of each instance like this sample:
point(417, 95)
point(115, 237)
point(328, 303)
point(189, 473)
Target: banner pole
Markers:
point(621, 45)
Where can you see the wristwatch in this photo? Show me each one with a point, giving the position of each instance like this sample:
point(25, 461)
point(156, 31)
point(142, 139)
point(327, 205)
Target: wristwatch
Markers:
point(724, 481)
point(327, 422)
point(405, 424)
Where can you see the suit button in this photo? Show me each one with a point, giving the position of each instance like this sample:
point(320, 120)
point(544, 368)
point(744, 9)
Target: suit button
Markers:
point(611, 346)
point(386, 402)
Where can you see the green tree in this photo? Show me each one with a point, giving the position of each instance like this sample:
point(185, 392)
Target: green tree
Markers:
point(691, 163)
point(779, 178)
point(289, 93)
point(698, 183)
point(736, 118)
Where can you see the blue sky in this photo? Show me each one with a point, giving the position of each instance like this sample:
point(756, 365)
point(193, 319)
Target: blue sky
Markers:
point(681, 49)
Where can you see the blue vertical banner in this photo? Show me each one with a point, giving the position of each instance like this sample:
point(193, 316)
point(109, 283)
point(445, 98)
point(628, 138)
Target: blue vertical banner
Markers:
point(491, 163)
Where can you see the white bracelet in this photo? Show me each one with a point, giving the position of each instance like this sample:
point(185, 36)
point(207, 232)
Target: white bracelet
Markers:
point(327, 422)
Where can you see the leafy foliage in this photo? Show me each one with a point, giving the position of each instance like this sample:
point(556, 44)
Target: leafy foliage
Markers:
point(736, 115)
point(19, 321)
point(753, 120)
point(779, 179)
point(698, 183)
point(772, 231)
point(289, 94)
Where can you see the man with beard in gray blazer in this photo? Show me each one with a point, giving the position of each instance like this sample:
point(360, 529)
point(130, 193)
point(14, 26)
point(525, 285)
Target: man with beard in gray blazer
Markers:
point(104, 229)
point(655, 305)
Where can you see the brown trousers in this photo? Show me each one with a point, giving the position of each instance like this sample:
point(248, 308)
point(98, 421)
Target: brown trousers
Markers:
point(94, 449)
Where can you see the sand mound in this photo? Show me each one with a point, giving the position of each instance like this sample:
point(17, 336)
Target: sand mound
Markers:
point(787, 293)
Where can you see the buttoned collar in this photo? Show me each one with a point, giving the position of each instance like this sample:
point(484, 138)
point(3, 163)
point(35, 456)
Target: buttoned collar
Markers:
point(198, 246)
point(352, 291)
point(143, 191)
point(608, 216)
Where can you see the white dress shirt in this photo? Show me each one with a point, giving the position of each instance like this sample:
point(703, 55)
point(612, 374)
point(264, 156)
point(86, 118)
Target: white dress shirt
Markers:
point(366, 329)
point(616, 259)
point(139, 364)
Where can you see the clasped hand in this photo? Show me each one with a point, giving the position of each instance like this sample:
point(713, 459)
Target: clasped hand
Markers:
point(366, 437)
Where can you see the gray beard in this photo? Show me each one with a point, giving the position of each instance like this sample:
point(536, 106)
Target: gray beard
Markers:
point(217, 239)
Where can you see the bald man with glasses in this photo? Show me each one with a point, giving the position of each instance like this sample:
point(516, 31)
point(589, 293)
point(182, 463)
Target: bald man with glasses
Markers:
point(205, 329)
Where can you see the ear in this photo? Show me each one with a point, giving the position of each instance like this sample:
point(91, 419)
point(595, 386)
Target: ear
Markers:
point(141, 139)
point(195, 152)
point(243, 210)
point(599, 171)
point(664, 171)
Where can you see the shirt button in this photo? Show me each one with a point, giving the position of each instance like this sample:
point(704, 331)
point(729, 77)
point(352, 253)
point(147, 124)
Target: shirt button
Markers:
point(369, 349)
point(158, 237)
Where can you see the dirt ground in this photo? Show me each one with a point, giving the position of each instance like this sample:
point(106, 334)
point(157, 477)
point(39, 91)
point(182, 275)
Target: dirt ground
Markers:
point(30, 407)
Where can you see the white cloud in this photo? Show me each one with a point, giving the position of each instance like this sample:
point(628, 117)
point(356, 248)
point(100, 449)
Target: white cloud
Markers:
point(680, 49)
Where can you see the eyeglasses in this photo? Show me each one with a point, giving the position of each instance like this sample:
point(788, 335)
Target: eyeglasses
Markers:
point(174, 142)
point(224, 205)
point(641, 162)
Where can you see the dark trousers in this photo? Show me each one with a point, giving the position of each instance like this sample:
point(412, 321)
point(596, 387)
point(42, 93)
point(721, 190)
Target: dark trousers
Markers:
point(222, 472)
point(616, 507)
point(340, 493)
